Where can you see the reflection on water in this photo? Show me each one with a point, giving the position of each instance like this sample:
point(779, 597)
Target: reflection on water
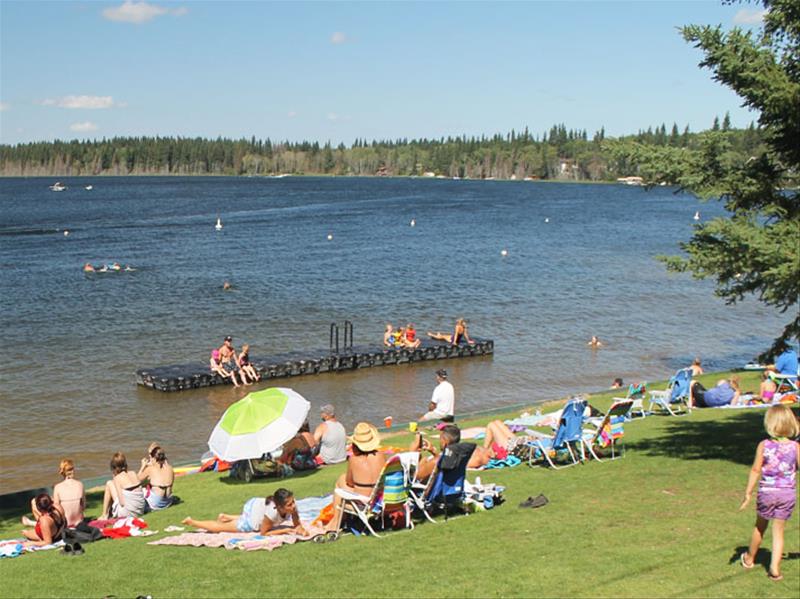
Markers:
point(68, 385)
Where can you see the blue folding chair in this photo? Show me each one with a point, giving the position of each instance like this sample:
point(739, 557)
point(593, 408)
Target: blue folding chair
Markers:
point(676, 393)
point(445, 488)
point(568, 433)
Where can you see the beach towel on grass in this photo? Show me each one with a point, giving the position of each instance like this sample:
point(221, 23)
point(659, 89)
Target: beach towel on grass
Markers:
point(15, 547)
point(245, 541)
point(550, 419)
point(309, 508)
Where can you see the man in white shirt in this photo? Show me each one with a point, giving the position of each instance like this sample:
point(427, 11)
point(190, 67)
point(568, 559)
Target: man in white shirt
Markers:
point(442, 400)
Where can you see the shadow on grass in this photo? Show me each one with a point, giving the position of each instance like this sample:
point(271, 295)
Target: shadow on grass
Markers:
point(271, 478)
point(762, 557)
point(733, 439)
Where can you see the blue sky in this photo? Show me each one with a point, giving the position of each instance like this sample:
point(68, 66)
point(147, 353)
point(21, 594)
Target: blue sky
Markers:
point(339, 70)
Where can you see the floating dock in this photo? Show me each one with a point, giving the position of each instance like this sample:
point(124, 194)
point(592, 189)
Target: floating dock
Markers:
point(197, 375)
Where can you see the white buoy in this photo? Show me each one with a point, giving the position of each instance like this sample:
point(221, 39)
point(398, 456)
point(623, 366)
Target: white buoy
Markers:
point(330, 237)
point(413, 223)
point(218, 226)
point(697, 215)
point(88, 188)
point(66, 233)
point(504, 252)
point(547, 220)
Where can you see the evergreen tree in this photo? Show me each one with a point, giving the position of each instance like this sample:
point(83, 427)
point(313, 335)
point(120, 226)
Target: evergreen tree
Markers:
point(756, 250)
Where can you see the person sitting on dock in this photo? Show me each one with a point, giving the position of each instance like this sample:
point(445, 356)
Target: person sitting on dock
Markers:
point(459, 334)
point(388, 337)
point(215, 364)
point(330, 437)
point(245, 367)
point(410, 337)
point(159, 473)
point(441, 406)
point(227, 354)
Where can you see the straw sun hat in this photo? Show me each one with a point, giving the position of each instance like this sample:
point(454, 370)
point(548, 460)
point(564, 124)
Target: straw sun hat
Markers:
point(365, 437)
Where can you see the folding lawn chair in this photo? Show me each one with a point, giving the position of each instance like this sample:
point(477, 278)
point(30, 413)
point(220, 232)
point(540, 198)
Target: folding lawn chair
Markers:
point(388, 495)
point(610, 429)
point(677, 392)
point(445, 489)
point(784, 383)
point(568, 433)
point(635, 394)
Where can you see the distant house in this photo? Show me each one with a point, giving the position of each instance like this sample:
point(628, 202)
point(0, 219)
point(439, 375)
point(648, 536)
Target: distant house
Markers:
point(631, 180)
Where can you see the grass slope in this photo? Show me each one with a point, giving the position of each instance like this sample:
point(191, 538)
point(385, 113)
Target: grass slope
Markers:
point(662, 522)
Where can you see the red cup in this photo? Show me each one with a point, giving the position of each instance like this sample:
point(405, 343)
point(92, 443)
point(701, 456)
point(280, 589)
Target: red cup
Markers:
point(387, 422)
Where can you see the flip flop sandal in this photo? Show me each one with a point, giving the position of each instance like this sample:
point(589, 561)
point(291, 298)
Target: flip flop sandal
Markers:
point(774, 577)
point(745, 565)
point(77, 549)
point(67, 550)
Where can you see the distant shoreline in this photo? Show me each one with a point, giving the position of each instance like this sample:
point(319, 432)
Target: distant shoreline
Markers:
point(306, 176)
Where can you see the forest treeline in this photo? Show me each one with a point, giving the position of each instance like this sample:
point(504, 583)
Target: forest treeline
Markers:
point(560, 153)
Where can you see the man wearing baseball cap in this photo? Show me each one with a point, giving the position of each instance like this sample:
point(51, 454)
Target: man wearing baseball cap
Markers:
point(442, 404)
point(331, 437)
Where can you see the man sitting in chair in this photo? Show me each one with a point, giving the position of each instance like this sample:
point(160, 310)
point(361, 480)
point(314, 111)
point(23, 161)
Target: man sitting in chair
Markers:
point(451, 447)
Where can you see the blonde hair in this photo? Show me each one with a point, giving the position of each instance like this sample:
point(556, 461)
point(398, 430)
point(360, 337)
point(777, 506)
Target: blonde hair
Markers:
point(66, 468)
point(780, 421)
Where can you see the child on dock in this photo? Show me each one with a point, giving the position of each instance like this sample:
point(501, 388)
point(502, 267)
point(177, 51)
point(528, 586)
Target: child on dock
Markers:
point(775, 466)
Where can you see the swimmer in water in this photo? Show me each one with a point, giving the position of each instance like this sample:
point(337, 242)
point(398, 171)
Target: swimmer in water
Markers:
point(88, 267)
point(227, 286)
point(595, 342)
point(129, 268)
point(115, 266)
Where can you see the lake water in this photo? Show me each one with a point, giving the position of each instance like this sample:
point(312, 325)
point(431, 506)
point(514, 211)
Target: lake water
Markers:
point(74, 341)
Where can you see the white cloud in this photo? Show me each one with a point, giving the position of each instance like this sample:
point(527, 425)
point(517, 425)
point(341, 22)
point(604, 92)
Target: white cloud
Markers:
point(83, 127)
point(747, 16)
point(4, 106)
point(338, 38)
point(140, 12)
point(86, 102)
point(291, 114)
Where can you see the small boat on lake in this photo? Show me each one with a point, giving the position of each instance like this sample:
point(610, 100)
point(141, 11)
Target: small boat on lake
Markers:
point(218, 226)
point(88, 188)
point(58, 186)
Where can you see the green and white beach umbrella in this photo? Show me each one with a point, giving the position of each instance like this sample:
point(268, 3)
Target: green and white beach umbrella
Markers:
point(258, 424)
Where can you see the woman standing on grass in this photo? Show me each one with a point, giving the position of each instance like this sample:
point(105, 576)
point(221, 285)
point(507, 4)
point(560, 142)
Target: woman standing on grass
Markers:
point(775, 466)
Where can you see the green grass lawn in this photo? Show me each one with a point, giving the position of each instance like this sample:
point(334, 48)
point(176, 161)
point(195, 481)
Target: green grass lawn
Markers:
point(661, 522)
